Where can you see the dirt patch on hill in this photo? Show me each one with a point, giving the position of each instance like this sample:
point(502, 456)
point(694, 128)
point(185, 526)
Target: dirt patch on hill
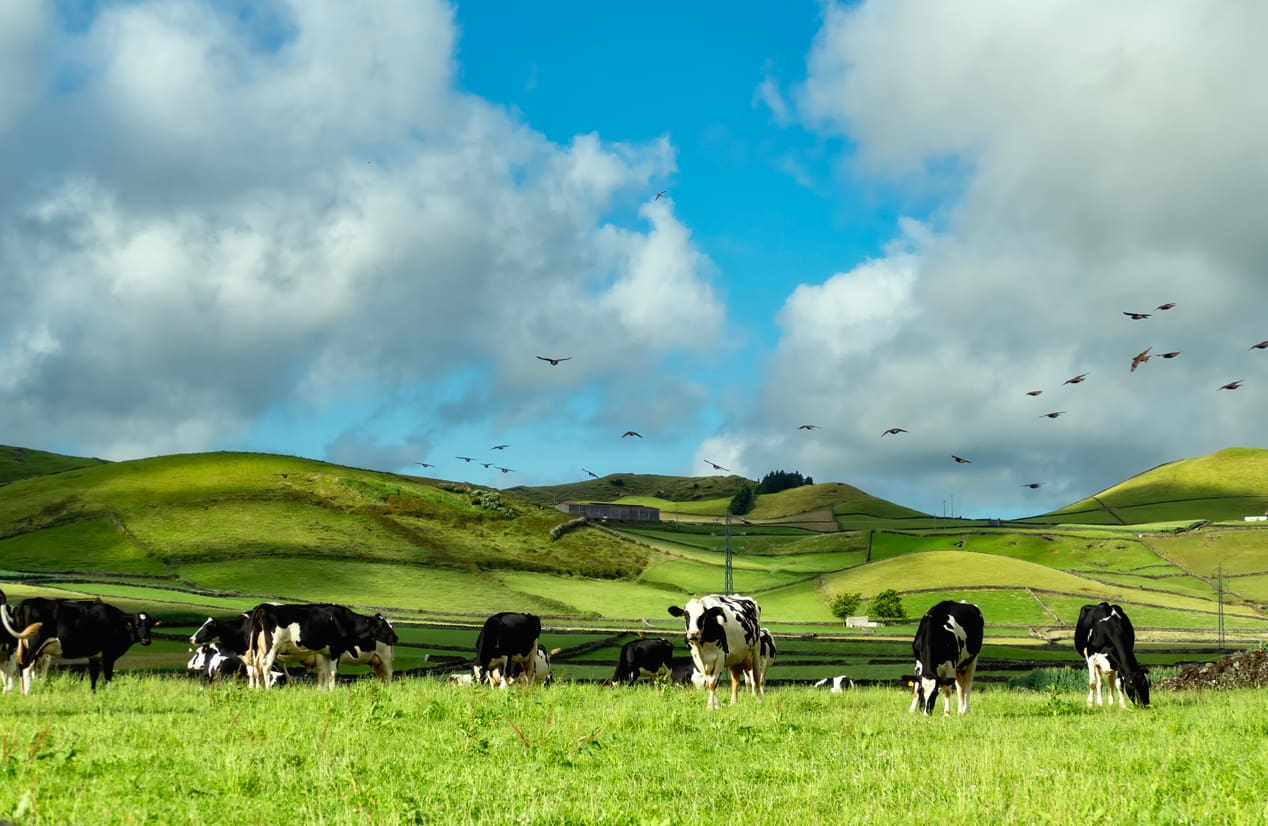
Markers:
point(1245, 669)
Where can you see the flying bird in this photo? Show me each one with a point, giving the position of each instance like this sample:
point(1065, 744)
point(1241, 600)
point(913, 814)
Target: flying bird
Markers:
point(487, 465)
point(1170, 355)
point(1263, 345)
point(1033, 392)
point(1166, 306)
point(659, 195)
point(424, 464)
point(1032, 485)
point(1054, 414)
point(1076, 380)
point(1232, 385)
point(505, 469)
point(961, 460)
point(463, 458)
point(499, 447)
point(1136, 316)
point(591, 473)
point(1140, 358)
point(554, 361)
point(808, 427)
point(716, 466)
point(631, 433)
point(893, 431)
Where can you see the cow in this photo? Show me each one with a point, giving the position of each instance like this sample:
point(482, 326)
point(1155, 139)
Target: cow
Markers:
point(541, 668)
point(683, 671)
point(73, 629)
point(1105, 638)
point(765, 659)
point(946, 646)
point(507, 638)
point(9, 645)
point(723, 633)
point(214, 661)
point(835, 684)
point(642, 658)
point(321, 634)
point(233, 634)
point(461, 679)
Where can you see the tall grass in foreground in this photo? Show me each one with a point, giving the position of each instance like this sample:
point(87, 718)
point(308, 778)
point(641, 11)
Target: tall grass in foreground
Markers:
point(149, 750)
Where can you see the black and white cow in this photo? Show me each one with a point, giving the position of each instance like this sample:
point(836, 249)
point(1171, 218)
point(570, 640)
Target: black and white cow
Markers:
point(1104, 636)
point(835, 684)
point(643, 658)
point(541, 668)
point(323, 631)
point(74, 629)
point(507, 638)
point(9, 644)
point(234, 633)
point(683, 671)
point(947, 643)
point(723, 633)
point(765, 659)
point(214, 661)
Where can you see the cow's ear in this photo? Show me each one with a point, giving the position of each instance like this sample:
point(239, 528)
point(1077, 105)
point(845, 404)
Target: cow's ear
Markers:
point(676, 611)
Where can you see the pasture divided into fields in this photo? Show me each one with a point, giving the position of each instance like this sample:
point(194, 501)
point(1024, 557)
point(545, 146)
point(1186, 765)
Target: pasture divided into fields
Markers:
point(187, 536)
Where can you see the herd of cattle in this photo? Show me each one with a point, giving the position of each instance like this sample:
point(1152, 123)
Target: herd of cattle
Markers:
point(723, 634)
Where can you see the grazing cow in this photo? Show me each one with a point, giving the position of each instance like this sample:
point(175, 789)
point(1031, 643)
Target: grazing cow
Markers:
point(683, 671)
point(642, 658)
point(461, 679)
point(214, 661)
point(507, 638)
point(233, 634)
point(722, 633)
point(74, 629)
point(835, 684)
point(9, 645)
point(320, 633)
point(947, 643)
point(541, 668)
point(1105, 638)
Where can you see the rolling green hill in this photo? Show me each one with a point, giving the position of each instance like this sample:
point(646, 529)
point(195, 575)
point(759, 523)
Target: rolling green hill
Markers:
point(23, 463)
point(212, 532)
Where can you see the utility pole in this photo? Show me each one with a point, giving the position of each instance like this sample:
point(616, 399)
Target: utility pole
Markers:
point(1219, 596)
point(728, 585)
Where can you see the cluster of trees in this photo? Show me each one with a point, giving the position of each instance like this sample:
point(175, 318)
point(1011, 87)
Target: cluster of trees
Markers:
point(778, 480)
point(746, 497)
point(887, 604)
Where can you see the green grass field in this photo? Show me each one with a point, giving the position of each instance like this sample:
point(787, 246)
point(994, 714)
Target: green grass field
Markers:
point(417, 751)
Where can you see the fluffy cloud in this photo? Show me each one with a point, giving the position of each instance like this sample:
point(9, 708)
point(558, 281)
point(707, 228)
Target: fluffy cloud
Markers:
point(1087, 161)
point(302, 207)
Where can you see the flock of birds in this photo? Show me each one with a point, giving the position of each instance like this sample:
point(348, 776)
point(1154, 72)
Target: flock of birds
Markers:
point(1137, 361)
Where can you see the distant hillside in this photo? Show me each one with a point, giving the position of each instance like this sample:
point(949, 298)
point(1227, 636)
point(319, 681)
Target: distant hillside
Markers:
point(1228, 484)
point(620, 485)
point(22, 463)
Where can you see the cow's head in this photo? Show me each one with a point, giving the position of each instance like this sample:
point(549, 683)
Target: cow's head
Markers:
point(1137, 687)
point(206, 632)
point(141, 625)
point(702, 624)
point(382, 630)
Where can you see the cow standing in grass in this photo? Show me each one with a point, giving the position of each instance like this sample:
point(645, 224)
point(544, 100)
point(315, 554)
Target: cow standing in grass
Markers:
point(723, 632)
point(642, 658)
point(507, 638)
point(1104, 636)
point(946, 646)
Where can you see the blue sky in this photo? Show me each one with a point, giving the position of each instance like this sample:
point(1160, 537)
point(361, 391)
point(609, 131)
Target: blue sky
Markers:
point(346, 231)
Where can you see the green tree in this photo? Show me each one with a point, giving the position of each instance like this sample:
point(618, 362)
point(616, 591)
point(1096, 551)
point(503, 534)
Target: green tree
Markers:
point(743, 501)
point(888, 604)
point(845, 605)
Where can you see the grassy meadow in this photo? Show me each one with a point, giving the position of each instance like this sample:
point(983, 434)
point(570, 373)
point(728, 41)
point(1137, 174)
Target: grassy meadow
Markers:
point(151, 750)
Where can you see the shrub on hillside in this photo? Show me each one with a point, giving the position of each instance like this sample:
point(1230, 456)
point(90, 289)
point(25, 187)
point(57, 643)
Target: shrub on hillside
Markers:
point(887, 604)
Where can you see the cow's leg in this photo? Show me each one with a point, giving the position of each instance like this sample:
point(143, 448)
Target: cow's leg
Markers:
point(8, 671)
point(737, 676)
point(964, 685)
point(94, 669)
point(1118, 684)
point(711, 683)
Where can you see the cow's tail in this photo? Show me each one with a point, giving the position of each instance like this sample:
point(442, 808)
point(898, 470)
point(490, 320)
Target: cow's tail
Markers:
point(25, 633)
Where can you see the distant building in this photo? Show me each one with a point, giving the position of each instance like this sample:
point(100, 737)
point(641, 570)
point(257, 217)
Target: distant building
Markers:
point(1257, 519)
point(616, 512)
point(861, 622)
